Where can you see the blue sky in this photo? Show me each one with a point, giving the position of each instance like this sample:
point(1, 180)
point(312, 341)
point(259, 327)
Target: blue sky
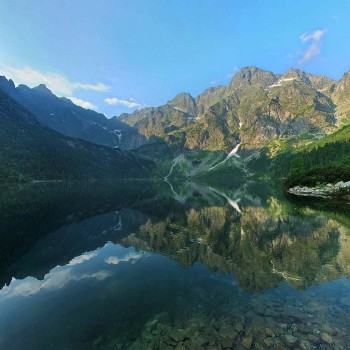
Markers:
point(116, 56)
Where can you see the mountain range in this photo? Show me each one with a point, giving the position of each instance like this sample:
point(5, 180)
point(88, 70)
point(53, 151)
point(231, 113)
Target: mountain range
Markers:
point(256, 108)
point(32, 151)
point(258, 113)
point(62, 115)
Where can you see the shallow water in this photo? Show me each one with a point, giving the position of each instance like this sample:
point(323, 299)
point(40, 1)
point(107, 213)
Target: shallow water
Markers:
point(145, 265)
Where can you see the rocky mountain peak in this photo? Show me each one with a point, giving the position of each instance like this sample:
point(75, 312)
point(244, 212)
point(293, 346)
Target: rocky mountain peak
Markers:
point(318, 82)
point(249, 76)
point(345, 78)
point(7, 85)
point(208, 98)
point(344, 82)
point(184, 102)
point(341, 97)
point(297, 74)
point(43, 88)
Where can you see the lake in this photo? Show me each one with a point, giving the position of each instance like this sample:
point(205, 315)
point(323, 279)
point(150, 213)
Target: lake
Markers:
point(160, 265)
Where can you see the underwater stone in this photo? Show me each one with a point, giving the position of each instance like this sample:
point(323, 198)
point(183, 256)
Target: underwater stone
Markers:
point(152, 324)
point(328, 329)
point(199, 341)
point(156, 331)
point(239, 327)
point(271, 312)
point(165, 347)
point(270, 332)
point(305, 345)
point(313, 338)
point(227, 342)
point(305, 329)
point(177, 335)
point(227, 330)
point(280, 347)
point(326, 338)
point(290, 340)
point(269, 342)
point(147, 337)
point(294, 328)
point(258, 347)
point(247, 342)
point(259, 309)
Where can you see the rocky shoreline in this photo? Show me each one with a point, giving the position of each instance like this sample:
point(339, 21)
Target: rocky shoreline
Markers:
point(339, 190)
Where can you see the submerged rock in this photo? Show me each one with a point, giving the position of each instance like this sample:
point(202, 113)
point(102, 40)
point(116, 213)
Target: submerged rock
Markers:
point(178, 335)
point(313, 339)
point(269, 342)
point(290, 340)
point(305, 345)
point(228, 331)
point(227, 342)
point(326, 338)
point(270, 332)
point(239, 327)
point(271, 312)
point(247, 342)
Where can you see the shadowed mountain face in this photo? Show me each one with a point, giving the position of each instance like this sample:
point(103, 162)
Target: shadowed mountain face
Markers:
point(62, 115)
point(30, 150)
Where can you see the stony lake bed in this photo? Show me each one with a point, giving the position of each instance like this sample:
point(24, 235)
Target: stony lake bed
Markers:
point(146, 265)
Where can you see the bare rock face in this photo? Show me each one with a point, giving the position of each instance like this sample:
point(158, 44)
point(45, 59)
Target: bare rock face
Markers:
point(185, 103)
point(341, 98)
point(256, 108)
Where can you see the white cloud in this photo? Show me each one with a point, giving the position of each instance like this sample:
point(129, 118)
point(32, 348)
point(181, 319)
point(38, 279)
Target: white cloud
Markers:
point(81, 258)
point(57, 83)
point(82, 103)
point(115, 260)
point(131, 103)
point(56, 279)
point(99, 87)
point(314, 47)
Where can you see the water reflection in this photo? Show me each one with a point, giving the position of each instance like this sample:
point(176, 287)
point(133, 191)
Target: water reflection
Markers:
point(128, 265)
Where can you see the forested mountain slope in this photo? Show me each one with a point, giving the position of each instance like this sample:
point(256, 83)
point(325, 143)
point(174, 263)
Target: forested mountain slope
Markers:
point(322, 161)
point(30, 150)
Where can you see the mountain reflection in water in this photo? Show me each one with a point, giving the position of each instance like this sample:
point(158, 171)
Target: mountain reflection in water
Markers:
point(118, 265)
